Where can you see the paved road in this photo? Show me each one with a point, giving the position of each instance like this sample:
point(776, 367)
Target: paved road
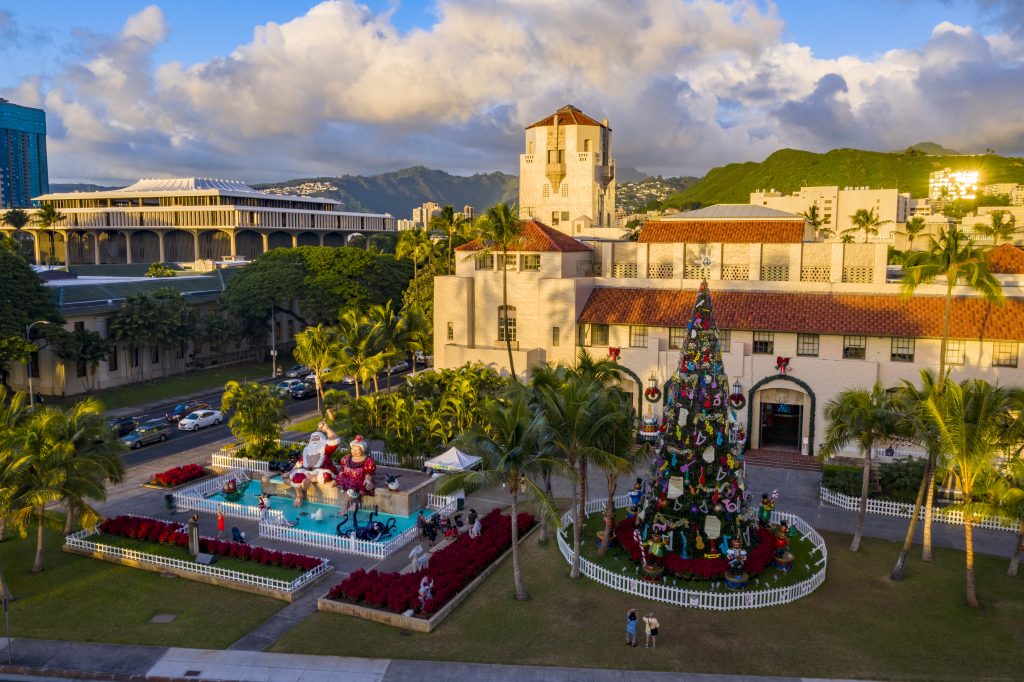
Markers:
point(179, 441)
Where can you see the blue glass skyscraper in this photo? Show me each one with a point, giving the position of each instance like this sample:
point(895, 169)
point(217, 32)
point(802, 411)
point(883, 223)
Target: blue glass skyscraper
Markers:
point(23, 170)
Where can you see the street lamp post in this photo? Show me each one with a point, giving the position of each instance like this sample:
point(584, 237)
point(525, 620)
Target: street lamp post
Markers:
point(28, 337)
point(273, 344)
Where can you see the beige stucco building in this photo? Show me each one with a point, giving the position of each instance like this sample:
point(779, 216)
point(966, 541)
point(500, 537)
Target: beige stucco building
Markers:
point(836, 205)
point(828, 308)
point(567, 174)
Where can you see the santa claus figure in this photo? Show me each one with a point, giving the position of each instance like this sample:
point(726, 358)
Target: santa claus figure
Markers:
point(315, 465)
point(357, 469)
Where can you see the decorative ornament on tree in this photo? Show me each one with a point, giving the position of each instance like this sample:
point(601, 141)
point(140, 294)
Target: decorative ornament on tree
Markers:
point(781, 364)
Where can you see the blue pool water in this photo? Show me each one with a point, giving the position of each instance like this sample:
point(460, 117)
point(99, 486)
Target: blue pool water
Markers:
point(329, 524)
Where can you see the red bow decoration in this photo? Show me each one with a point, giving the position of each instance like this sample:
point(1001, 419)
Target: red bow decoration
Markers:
point(781, 364)
point(614, 352)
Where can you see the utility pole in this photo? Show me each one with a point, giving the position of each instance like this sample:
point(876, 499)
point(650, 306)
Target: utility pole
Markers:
point(273, 343)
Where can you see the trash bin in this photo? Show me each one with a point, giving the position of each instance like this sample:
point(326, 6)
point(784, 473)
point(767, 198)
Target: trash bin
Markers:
point(169, 502)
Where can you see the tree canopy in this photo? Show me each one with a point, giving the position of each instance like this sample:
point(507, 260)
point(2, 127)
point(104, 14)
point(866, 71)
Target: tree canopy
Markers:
point(23, 300)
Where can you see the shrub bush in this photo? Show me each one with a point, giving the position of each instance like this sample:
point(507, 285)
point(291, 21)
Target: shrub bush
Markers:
point(901, 479)
point(451, 568)
point(842, 479)
point(178, 475)
point(173, 533)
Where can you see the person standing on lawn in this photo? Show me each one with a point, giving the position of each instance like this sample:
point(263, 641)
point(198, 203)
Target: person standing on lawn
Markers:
point(631, 628)
point(651, 628)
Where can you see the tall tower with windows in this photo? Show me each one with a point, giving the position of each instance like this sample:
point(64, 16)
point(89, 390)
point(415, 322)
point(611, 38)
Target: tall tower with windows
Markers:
point(567, 174)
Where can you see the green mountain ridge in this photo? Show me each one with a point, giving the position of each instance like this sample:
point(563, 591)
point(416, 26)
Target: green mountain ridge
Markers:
point(789, 169)
point(398, 192)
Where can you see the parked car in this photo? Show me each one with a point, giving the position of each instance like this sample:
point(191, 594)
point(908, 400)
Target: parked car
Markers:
point(150, 432)
point(400, 366)
point(121, 426)
point(198, 420)
point(297, 372)
point(348, 380)
point(423, 359)
point(287, 385)
point(182, 409)
point(302, 391)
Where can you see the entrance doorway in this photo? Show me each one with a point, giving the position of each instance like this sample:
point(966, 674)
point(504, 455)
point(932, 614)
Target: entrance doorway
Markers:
point(781, 425)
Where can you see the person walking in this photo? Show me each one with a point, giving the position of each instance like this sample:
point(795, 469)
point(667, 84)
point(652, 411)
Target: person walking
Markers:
point(651, 628)
point(631, 627)
point(220, 522)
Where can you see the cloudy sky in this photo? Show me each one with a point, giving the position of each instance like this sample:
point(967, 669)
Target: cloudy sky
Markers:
point(264, 90)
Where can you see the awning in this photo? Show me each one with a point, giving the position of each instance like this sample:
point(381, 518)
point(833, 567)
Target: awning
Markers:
point(453, 459)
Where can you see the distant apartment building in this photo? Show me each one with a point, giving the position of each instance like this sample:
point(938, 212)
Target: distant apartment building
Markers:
point(949, 185)
point(23, 168)
point(468, 212)
point(567, 174)
point(1014, 191)
point(189, 220)
point(836, 206)
point(421, 215)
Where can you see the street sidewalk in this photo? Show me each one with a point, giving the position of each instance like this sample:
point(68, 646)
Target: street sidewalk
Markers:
point(84, 660)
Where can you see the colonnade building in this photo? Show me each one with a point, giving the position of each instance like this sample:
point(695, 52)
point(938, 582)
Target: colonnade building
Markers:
point(799, 319)
point(189, 220)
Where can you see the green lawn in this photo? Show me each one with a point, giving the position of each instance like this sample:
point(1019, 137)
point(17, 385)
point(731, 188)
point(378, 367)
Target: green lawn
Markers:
point(306, 424)
point(857, 625)
point(174, 552)
point(616, 560)
point(179, 385)
point(79, 598)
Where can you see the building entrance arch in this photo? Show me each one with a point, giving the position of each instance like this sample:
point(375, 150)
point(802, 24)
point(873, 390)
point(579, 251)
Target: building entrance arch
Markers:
point(145, 246)
point(780, 414)
point(279, 240)
point(248, 244)
point(334, 239)
point(179, 246)
point(309, 239)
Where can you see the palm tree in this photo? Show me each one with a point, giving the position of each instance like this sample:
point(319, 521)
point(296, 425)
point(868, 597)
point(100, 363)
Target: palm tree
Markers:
point(12, 414)
point(46, 218)
point(507, 442)
point(361, 348)
point(865, 418)
point(500, 229)
point(912, 229)
point(417, 333)
point(317, 348)
point(866, 220)
point(1000, 229)
point(16, 218)
point(1008, 494)
point(392, 334)
point(813, 216)
point(576, 417)
point(451, 223)
point(971, 419)
point(954, 257)
point(257, 415)
point(414, 244)
point(618, 439)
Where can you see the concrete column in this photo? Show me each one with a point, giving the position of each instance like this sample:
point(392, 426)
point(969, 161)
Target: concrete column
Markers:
point(880, 269)
point(643, 250)
point(234, 246)
point(96, 247)
point(67, 248)
point(266, 242)
point(35, 246)
point(836, 266)
point(717, 253)
point(128, 246)
point(796, 255)
point(160, 241)
point(295, 240)
point(606, 258)
point(755, 262)
point(195, 245)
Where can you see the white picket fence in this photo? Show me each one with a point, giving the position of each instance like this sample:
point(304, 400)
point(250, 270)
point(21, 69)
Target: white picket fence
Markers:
point(699, 599)
point(905, 510)
point(196, 498)
point(78, 540)
point(243, 463)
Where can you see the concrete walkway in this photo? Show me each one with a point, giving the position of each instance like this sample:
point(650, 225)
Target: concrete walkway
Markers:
point(48, 659)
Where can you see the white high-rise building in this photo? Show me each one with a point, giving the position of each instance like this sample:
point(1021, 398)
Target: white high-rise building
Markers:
point(567, 175)
point(836, 206)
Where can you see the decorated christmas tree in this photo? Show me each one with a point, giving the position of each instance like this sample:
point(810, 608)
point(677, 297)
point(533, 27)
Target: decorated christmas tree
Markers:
point(693, 506)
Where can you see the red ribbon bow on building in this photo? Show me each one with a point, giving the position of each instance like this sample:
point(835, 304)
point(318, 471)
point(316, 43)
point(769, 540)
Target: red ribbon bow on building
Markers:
point(614, 352)
point(781, 364)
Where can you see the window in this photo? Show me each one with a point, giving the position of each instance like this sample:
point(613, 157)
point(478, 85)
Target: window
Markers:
point(531, 261)
point(902, 350)
point(854, 347)
point(676, 337)
point(556, 336)
point(807, 345)
point(507, 262)
point(133, 357)
point(593, 335)
point(112, 360)
point(182, 347)
point(485, 261)
point(725, 340)
point(637, 336)
point(764, 343)
point(291, 328)
point(451, 331)
point(565, 215)
point(506, 320)
point(33, 358)
point(154, 355)
point(277, 331)
point(1004, 354)
point(955, 352)
point(80, 369)
point(79, 326)
point(554, 217)
point(586, 145)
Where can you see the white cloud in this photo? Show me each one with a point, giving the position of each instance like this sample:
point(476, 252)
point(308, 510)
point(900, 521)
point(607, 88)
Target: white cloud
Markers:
point(685, 85)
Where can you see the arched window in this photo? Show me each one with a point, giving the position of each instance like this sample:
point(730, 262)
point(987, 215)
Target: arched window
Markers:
point(506, 323)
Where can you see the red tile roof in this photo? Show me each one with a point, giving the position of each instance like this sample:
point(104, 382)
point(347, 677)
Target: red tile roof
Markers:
point(536, 237)
point(861, 314)
point(568, 116)
point(723, 231)
point(1006, 259)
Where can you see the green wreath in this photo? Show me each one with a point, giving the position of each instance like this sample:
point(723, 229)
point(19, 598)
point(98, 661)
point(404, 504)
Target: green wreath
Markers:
point(652, 394)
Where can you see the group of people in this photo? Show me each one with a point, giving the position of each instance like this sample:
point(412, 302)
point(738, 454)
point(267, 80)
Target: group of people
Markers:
point(650, 628)
point(446, 526)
